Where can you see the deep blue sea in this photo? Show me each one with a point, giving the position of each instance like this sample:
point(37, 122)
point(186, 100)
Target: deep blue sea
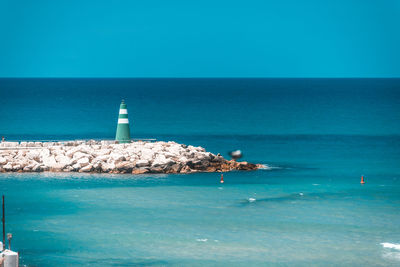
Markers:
point(318, 136)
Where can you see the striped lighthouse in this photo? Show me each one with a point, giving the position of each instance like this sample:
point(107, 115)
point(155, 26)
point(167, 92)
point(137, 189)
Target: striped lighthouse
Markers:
point(123, 133)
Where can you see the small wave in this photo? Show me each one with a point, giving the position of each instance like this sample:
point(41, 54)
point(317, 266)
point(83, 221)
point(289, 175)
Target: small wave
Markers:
point(391, 245)
point(265, 167)
point(269, 167)
point(201, 239)
point(315, 184)
point(251, 199)
point(301, 194)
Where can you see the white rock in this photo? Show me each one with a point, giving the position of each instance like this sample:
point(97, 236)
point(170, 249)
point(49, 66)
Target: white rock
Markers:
point(63, 160)
point(142, 163)
point(117, 156)
point(83, 162)
point(8, 166)
point(183, 159)
point(16, 167)
point(49, 161)
point(76, 166)
point(2, 161)
point(102, 152)
point(36, 167)
point(87, 168)
point(44, 152)
point(147, 154)
point(33, 154)
point(79, 155)
point(102, 157)
point(71, 152)
point(106, 167)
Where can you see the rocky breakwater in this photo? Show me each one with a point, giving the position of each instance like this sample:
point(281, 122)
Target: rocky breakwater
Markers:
point(110, 157)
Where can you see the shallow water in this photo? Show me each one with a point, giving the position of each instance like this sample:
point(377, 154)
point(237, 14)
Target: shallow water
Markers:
point(317, 136)
point(315, 213)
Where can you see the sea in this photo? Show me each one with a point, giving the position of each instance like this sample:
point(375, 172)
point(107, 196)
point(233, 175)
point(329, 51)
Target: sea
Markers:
point(316, 137)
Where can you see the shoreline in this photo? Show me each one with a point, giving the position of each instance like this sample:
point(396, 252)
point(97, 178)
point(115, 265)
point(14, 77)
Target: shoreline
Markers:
point(139, 157)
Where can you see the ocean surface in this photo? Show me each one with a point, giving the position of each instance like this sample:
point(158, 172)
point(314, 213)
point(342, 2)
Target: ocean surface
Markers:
point(308, 208)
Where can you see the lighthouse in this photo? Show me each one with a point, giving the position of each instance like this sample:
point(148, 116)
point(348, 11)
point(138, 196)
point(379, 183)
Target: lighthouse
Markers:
point(123, 133)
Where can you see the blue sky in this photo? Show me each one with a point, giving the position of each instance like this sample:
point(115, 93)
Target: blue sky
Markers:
point(282, 38)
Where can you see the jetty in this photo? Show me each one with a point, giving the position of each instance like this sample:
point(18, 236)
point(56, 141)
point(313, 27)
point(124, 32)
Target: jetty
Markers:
point(122, 155)
point(110, 156)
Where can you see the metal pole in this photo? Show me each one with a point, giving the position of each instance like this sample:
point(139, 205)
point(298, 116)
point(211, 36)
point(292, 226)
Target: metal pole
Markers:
point(4, 226)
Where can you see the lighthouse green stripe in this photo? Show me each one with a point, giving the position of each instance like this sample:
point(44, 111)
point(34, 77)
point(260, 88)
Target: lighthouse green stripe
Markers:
point(123, 116)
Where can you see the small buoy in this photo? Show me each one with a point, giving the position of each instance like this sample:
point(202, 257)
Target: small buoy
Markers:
point(362, 179)
point(222, 178)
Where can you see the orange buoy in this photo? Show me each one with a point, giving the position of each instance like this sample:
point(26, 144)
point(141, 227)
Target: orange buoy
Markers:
point(362, 179)
point(222, 178)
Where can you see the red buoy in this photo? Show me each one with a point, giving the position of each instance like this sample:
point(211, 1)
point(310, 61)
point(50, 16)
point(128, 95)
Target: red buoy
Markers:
point(222, 178)
point(362, 179)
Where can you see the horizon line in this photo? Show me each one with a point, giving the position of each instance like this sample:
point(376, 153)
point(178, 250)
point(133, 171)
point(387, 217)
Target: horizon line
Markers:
point(155, 77)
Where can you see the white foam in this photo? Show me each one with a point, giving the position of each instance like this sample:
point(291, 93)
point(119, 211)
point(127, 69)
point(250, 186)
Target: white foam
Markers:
point(301, 194)
point(266, 167)
point(391, 245)
point(202, 239)
point(315, 184)
point(251, 199)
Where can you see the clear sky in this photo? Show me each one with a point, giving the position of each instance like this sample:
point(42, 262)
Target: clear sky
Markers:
point(190, 38)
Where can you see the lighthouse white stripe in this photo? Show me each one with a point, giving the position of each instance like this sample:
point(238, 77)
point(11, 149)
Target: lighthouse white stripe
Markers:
point(123, 111)
point(123, 121)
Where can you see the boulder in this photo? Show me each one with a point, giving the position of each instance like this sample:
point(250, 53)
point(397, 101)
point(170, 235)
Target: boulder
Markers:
point(49, 161)
point(160, 160)
point(83, 162)
point(8, 166)
point(125, 167)
point(36, 168)
point(147, 154)
point(44, 152)
point(175, 168)
point(156, 170)
point(102, 157)
point(27, 169)
point(185, 169)
point(33, 154)
point(78, 155)
point(76, 166)
point(16, 167)
point(64, 160)
point(87, 168)
point(117, 157)
point(140, 171)
point(142, 163)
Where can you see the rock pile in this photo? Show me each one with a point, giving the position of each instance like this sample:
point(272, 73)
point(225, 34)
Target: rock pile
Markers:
point(110, 157)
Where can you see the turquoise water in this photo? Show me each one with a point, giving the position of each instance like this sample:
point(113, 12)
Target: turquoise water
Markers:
point(308, 208)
